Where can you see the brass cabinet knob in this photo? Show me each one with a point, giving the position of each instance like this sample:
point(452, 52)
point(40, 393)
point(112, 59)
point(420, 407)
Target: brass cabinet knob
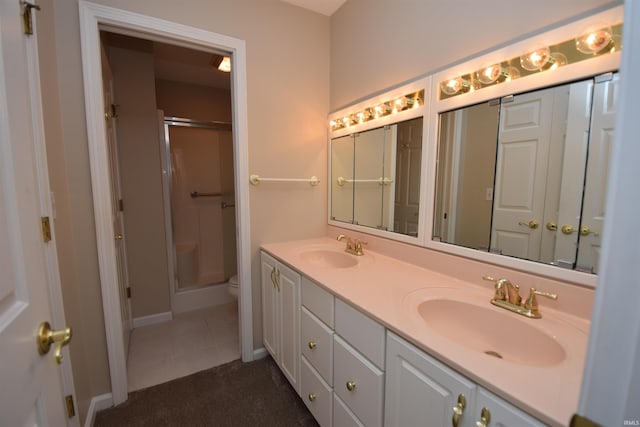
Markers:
point(485, 418)
point(118, 237)
point(312, 345)
point(351, 385)
point(533, 224)
point(312, 397)
point(458, 410)
point(47, 336)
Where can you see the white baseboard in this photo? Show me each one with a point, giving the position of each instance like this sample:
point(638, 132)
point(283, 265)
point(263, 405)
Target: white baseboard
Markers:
point(196, 299)
point(260, 353)
point(98, 403)
point(152, 319)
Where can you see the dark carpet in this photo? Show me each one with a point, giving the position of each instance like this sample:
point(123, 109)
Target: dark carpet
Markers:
point(234, 394)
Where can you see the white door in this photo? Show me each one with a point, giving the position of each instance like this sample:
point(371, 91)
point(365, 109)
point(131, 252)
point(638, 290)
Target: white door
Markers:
point(116, 202)
point(407, 187)
point(573, 172)
point(521, 167)
point(31, 392)
point(603, 117)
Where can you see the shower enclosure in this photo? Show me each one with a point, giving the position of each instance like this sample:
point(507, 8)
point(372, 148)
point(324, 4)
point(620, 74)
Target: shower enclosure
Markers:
point(198, 180)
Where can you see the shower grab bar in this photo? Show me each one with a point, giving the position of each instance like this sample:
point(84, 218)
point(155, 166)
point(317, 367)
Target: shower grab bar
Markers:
point(228, 205)
point(195, 194)
point(256, 179)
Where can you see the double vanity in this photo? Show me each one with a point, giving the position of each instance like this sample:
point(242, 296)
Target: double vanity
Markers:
point(372, 340)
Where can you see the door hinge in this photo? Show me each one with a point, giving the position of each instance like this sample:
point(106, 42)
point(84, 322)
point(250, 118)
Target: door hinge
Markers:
point(46, 229)
point(128, 291)
point(27, 19)
point(120, 205)
point(71, 409)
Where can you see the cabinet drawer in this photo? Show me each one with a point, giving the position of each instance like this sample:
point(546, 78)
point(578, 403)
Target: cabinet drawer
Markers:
point(366, 397)
point(342, 416)
point(502, 413)
point(317, 344)
point(363, 333)
point(318, 301)
point(316, 394)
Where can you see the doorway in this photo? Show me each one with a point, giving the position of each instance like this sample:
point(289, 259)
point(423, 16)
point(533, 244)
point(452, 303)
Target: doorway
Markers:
point(93, 19)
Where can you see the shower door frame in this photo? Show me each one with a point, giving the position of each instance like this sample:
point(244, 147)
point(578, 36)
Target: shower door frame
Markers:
point(181, 299)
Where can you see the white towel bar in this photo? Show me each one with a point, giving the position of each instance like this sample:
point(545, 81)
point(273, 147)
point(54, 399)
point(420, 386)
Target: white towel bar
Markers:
point(256, 179)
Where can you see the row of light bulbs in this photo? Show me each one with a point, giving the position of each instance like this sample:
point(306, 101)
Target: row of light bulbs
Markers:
point(593, 42)
point(394, 106)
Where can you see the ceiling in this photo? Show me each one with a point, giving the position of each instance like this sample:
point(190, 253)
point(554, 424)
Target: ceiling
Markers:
point(325, 7)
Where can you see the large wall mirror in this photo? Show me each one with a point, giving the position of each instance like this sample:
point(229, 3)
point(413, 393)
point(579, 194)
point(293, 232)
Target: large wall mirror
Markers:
point(525, 175)
point(375, 177)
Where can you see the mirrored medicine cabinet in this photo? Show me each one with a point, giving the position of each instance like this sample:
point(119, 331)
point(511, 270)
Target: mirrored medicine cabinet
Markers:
point(525, 175)
point(375, 177)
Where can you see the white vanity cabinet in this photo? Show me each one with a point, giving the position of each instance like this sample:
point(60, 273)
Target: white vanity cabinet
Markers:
point(281, 316)
point(420, 391)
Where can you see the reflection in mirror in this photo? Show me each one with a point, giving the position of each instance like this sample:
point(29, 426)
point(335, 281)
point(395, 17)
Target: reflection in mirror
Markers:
point(375, 177)
point(526, 176)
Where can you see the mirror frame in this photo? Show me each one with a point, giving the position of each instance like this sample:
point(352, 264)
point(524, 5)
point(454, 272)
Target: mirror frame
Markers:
point(422, 111)
point(565, 74)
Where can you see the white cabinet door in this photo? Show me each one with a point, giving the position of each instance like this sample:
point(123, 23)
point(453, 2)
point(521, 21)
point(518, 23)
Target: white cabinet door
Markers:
point(288, 288)
point(281, 316)
point(421, 391)
point(269, 305)
point(501, 413)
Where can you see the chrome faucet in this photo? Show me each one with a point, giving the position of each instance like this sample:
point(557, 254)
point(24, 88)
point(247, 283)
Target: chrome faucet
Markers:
point(507, 296)
point(353, 246)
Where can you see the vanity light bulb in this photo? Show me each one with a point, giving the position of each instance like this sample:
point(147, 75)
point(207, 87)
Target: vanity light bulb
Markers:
point(490, 74)
point(333, 123)
point(360, 117)
point(535, 60)
point(594, 40)
point(453, 86)
point(416, 103)
point(559, 60)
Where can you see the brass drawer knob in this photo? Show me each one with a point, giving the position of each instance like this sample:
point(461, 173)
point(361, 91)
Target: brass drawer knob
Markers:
point(351, 385)
point(312, 397)
point(312, 345)
point(485, 418)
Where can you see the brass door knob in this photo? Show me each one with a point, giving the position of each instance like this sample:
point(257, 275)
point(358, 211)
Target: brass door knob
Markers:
point(533, 224)
point(312, 397)
point(552, 226)
point(47, 336)
point(567, 229)
point(312, 345)
point(351, 385)
point(585, 231)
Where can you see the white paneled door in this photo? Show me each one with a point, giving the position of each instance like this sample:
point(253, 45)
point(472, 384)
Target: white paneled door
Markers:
point(30, 391)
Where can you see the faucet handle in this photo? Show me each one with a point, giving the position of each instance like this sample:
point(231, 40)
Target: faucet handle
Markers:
point(532, 302)
point(500, 285)
point(357, 246)
point(340, 237)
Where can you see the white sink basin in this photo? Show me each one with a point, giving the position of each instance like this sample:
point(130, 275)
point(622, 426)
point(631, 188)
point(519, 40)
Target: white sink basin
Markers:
point(329, 258)
point(500, 334)
point(464, 318)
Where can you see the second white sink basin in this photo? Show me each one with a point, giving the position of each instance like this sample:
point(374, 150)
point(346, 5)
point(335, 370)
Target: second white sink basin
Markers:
point(329, 258)
point(490, 331)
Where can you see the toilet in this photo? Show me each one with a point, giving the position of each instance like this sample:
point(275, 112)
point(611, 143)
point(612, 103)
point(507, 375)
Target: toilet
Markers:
point(233, 285)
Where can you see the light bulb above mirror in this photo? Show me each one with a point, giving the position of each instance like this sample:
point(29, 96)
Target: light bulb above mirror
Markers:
point(595, 40)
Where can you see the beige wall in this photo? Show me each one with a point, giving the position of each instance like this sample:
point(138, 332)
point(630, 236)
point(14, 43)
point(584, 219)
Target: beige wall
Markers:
point(288, 100)
point(376, 47)
point(141, 179)
point(194, 102)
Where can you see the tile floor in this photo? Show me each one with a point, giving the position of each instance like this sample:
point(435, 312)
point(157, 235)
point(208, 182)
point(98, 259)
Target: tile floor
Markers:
point(189, 343)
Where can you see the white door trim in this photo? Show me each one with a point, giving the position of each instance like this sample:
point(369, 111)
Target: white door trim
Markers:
point(93, 17)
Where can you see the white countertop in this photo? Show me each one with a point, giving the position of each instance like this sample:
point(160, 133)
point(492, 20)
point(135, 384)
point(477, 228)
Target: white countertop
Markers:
point(385, 288)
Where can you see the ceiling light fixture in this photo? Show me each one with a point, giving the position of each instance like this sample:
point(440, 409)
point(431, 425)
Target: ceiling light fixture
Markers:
point(225, 64)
